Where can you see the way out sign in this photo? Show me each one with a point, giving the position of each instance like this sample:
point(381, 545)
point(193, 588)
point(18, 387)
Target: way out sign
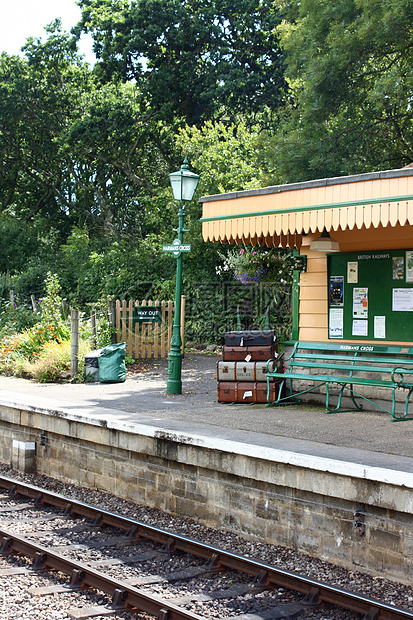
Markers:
point(147, 314)
point(176, 248)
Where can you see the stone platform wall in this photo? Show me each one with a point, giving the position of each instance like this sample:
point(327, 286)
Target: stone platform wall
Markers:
point(345, 513)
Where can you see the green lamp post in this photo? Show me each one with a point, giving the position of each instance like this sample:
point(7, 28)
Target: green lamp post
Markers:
point(184, 183)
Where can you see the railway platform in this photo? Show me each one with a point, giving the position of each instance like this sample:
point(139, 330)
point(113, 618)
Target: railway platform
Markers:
point(338, 486)
point(367, 437)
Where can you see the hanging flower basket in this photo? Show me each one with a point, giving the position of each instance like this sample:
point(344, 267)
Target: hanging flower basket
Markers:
point(251, 265)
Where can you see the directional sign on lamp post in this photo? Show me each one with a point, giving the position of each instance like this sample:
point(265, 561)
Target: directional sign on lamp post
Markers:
point(176, 248)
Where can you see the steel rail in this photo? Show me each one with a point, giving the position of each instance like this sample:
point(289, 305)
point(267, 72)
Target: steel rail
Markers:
point(82, 576)
point(315, 591)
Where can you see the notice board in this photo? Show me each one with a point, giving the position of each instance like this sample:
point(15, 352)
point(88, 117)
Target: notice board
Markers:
point(370, 295)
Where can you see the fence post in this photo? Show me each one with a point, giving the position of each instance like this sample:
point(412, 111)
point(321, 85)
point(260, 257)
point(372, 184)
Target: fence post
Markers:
point(74, 342)
point(112, 319)
point(93, 328)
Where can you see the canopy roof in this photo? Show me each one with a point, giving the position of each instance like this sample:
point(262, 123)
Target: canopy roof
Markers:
point(279, 215)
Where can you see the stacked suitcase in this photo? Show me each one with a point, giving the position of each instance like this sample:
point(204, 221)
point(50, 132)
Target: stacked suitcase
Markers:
point(241, 373)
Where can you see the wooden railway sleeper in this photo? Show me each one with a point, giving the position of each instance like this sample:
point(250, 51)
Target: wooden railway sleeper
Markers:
point(372, 614)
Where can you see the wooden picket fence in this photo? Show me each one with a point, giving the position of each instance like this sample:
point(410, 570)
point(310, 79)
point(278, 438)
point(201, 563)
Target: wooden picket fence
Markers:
point(147, 339)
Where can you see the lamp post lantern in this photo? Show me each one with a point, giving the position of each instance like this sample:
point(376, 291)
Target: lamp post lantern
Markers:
point(184, 183)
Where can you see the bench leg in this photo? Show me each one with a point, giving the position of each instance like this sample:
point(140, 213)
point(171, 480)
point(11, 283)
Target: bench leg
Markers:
point(357, 406)
point(280, 391)
point(397, 418)
point(338, 409)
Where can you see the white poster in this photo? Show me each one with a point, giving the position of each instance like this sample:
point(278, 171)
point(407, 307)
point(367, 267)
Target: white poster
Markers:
point(360, 327)
point(379, 326)
point(336, 323)
point(409, 266)
point(352, 272)
point(402, 299)
point(360, 303)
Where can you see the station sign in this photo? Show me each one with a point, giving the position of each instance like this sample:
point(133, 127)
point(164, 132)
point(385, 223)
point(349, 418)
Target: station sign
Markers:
point(176, 248)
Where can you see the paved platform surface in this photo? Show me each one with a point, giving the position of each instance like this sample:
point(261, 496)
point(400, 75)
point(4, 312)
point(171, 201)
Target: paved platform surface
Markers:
point(365, 437)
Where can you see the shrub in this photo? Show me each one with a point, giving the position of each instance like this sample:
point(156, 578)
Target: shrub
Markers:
point(15, 317)
point(54, 359)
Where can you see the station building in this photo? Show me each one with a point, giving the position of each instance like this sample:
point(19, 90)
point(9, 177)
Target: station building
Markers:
point(354, 283)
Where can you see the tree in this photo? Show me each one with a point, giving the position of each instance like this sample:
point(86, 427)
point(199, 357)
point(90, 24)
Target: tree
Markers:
point(191, 57)
point(349, 66)
point(37, 97)
point(73, 151)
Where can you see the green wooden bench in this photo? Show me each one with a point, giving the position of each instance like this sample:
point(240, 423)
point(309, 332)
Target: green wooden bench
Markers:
point(348, 366)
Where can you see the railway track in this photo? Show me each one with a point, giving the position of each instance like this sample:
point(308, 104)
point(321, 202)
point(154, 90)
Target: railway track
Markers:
point(70, 528)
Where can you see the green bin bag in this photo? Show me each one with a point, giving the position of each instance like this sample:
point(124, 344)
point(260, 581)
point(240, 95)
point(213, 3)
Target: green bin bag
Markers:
point(112, 367)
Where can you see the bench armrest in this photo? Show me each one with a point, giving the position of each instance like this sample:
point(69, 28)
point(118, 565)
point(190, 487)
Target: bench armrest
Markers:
point(401, 372)
point(272, 361)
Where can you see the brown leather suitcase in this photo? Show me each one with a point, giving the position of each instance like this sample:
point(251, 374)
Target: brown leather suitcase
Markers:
point(243, 371)
point(246, 391)
point(249, 354)
point(252, 337)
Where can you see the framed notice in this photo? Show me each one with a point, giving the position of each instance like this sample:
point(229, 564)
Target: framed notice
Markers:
point(360, 303)
point(352, 272)
point(409, 266)
point(335, 326)
point(398, 268)
point(402, 300)
point(379, 326)
point(336, 293)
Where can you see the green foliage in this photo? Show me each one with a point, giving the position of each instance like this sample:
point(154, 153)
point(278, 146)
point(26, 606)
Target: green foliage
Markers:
point(104, 331)
point(191, 58)
point(18, 241)
point(18, 342)
point(349, 69)
point(51, 316)
point(74, 152)
point(30, 342)
point(227, 155)
point(15, 317)
point(53, 360)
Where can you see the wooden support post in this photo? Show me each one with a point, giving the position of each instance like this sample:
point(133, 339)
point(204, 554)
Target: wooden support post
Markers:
point(74, 342)
point(93, 329)
point(112, 319)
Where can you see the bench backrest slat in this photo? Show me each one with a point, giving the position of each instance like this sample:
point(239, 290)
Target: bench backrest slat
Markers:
point(356, 348)
point(398, 361)
point(347, 368)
